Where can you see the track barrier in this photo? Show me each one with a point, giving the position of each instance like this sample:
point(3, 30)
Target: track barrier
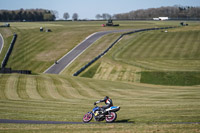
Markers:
point(5, 60)
point(9, 70)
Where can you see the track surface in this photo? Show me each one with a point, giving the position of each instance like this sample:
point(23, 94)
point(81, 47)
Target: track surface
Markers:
point(67, 59)
point(1, 43)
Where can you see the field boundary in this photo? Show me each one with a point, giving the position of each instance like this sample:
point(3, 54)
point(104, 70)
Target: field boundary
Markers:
point(117, 40)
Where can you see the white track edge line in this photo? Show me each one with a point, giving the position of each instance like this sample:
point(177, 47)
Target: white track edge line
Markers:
point(2, 43)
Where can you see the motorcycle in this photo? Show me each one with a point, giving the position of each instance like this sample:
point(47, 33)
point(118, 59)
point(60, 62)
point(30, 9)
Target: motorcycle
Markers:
point(109, 114)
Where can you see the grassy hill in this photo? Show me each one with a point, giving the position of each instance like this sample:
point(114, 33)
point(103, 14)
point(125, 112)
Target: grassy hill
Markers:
point(147, 108)
point(39, 50)
point(66, 98)
point(174, 51)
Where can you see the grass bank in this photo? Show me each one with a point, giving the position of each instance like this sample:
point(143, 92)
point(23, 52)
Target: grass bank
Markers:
point(61, 98)
point(158, 51)
point(65, 98)
point(171, 78)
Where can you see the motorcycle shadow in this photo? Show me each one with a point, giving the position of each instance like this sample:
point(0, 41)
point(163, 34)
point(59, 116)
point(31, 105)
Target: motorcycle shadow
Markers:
point(124, 121)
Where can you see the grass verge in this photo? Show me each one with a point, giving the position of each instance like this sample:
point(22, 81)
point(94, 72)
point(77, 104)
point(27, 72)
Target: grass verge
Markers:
point(171, 78)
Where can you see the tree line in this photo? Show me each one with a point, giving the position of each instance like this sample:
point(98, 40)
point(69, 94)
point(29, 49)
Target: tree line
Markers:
point(173, 12)
point(27, 15)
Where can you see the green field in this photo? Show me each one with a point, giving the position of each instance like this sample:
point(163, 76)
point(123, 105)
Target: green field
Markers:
point(39, 50)
point(153, 57)
point(174, 51)
point(65, 98)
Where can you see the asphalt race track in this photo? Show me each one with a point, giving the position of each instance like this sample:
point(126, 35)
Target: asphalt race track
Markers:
point(1, 43)
point(75, 52)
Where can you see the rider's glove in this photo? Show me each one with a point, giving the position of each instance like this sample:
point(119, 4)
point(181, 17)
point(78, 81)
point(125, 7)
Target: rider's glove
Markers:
point(95, 103)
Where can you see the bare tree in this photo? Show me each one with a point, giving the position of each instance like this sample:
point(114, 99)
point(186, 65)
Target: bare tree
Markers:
point(75, 16)
point(106, 16)
point(98, 16)
point(55, 14)
point(66, 15)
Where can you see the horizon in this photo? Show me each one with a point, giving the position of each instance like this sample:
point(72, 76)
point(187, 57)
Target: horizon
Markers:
point(88, 9)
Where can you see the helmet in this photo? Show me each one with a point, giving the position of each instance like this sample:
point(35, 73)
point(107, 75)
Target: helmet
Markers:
point(106, 97)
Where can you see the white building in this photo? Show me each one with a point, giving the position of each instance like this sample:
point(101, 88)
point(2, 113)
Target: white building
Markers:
point(161, 18)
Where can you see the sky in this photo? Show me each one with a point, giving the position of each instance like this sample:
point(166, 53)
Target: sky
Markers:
point(88, 9)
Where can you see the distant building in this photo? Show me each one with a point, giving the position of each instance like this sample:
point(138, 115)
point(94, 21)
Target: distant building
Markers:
point(161, 18)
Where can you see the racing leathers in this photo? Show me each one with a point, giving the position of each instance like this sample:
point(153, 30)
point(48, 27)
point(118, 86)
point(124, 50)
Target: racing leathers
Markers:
point(107, 101)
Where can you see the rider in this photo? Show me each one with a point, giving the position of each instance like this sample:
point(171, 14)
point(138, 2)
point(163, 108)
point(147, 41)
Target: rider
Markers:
point(107, 101)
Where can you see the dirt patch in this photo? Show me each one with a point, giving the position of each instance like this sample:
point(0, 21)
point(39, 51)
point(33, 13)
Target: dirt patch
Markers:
point(6, 32)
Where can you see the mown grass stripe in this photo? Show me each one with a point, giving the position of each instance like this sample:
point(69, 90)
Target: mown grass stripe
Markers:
point(149, 45)
point(164, 53)
point(80, 90)
point(186, 47)
point(41, 88)
point(89, 91)
point(22, 52)
point(21, 87)
point(27, 50)
point(178, 50)
point(157, 45)
point(69, 91)
point(3, 80)
point(196, 54)
point(11, 87)
point(63, 88)
point(174, 54)
point(140, 46)
point(52, 90)
point(193, 45)
point(31, 88)
point(74, 88)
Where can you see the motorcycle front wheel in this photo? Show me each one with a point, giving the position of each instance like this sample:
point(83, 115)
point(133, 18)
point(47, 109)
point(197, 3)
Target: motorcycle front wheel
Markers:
point(111, 117)
point(87, 117)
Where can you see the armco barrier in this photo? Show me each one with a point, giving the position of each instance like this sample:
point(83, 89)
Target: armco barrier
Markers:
point(103, 53)
point(9, 70)
point(5, 60)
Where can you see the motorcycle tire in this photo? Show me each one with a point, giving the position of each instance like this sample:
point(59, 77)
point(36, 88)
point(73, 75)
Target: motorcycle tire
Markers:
point(111, 117)
point(87, 117)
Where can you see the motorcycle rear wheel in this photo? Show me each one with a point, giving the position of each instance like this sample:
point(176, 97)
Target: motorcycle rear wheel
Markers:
point(111, 117)
point(87, 117)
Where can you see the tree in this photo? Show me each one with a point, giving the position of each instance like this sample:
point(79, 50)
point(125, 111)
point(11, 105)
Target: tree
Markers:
point(75, 17)
point(66, 15)
point(48, 16)
point(106, 16)
point(54, 14)
point(98, 16)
